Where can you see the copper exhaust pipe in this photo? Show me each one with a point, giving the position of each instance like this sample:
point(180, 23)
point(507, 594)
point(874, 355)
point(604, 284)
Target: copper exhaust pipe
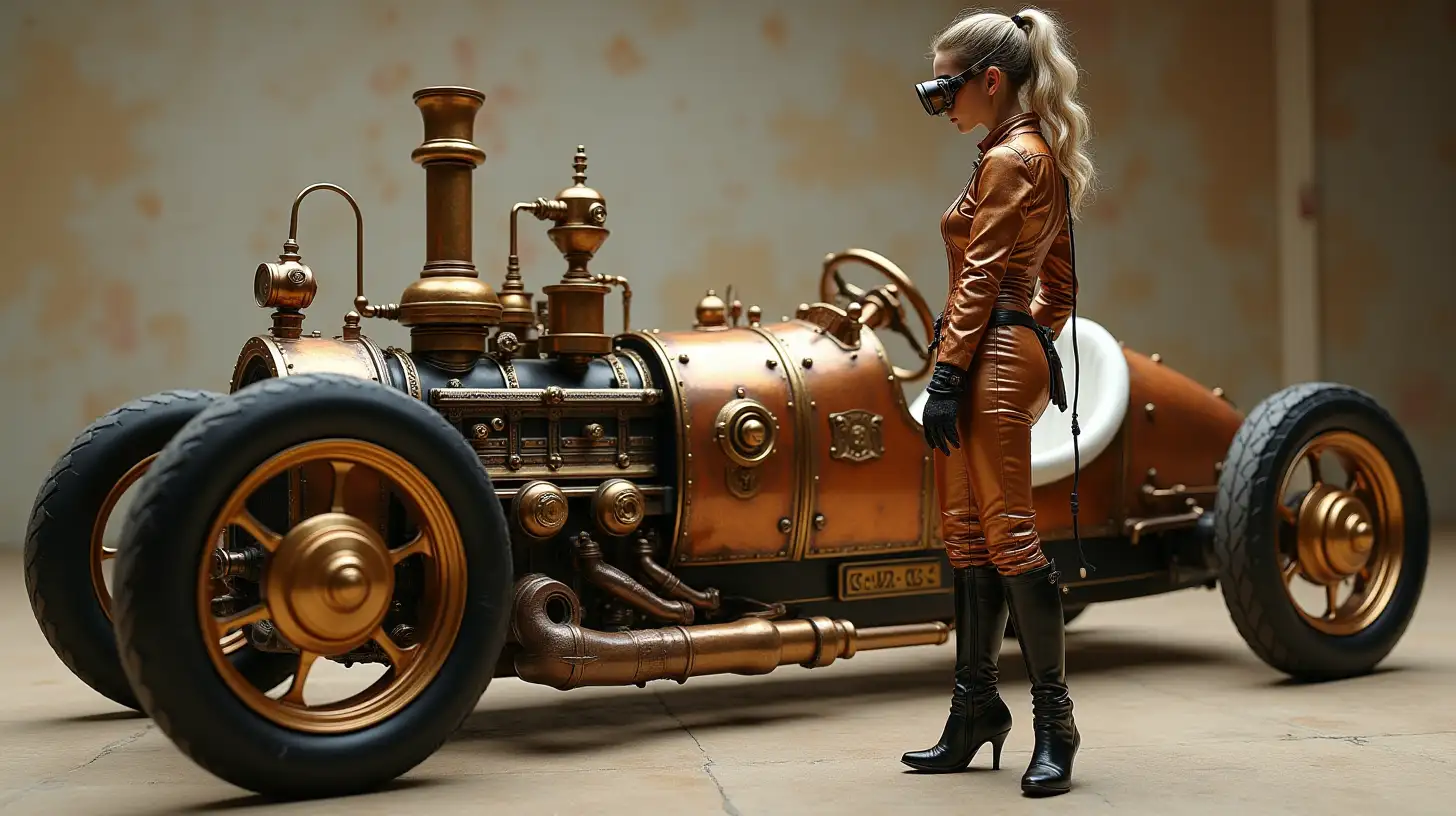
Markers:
point(672, 585)
point(557, 651)
point(621, 586)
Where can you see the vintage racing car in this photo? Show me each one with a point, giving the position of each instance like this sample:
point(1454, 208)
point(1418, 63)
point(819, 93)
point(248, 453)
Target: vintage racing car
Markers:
point(523, 493)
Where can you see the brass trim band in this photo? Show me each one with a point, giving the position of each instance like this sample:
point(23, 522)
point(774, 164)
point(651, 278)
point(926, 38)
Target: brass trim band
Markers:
point(377, 356)
point(803, 512)
point(640, 364)
point(552, 395)
point(684, 462)
point(619, 372)
point(411, 374)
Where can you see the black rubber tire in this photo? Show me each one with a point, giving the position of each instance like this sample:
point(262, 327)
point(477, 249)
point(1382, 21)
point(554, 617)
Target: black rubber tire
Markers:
point(1245, 523)
point(58, 540)
point(165, 538)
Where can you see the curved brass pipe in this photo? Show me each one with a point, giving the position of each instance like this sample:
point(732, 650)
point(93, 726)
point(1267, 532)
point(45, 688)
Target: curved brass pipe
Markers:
point(618, 280)
point(556, 650)
point(290, 247)
point(671, 584)
point(622, 586)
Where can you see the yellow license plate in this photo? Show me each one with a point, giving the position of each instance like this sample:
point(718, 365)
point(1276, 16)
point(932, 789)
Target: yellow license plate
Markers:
point(880, 579)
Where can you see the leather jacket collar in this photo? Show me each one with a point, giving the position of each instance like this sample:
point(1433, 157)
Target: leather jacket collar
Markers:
point(1028, 122)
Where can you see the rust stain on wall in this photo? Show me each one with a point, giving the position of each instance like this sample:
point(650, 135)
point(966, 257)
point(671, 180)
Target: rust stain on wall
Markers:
point(868, 131)
point(1348, 255)
point(116, 327)
point(776, 30)
point(679, 104)
point(622, 56)
point(50, 150)
point(149, 204)
point(748, 264)
point(666, 16)
point(387, 80)
point(464, 51)
point(169, 331)
point(1229, 113)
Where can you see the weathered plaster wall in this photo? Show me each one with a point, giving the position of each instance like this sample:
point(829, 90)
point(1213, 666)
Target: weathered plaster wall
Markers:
point(150, 151)
point(1387, 182)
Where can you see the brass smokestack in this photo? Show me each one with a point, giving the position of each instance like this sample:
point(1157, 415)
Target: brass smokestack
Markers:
point(449, 309)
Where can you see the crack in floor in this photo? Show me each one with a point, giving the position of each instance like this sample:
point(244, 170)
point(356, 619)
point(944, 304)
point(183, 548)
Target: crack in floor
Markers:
point(728, 806)
point(107, 749)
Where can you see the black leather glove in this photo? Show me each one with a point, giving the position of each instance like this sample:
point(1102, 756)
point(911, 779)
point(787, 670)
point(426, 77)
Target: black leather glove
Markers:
point(939, 417)
point(935, 335)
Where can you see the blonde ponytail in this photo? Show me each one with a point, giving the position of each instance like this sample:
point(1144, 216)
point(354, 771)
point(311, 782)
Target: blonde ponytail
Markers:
point(1037, 63)
point(1052, 94)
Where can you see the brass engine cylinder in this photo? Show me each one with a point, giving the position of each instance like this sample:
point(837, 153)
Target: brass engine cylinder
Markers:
point(449, 309)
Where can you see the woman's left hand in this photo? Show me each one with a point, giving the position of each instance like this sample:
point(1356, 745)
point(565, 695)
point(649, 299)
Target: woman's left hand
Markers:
point(941, 409)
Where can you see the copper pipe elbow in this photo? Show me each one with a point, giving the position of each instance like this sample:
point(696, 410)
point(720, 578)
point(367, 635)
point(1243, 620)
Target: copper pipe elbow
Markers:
point(623, 587)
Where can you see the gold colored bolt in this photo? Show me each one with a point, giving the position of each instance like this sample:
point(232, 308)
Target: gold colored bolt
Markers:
point(1156, 357)
point(1149, 409)
point(682, 358)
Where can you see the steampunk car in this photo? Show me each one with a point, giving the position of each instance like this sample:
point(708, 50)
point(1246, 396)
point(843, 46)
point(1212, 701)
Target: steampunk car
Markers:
point(523, 493)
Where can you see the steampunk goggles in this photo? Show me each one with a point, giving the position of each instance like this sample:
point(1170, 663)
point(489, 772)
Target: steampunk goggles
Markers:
point(938, 95)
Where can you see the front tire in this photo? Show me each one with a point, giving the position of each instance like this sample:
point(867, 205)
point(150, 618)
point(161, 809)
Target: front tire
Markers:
point(319, 570)
point(65, 551)
point(1364, 523)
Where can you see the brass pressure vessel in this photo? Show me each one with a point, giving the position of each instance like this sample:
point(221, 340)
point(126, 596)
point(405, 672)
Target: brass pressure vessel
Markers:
point(449, 309)
point(576, 316)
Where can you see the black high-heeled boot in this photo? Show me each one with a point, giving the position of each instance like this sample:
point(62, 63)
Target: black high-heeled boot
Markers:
point(977, 713)
point(1035, 599)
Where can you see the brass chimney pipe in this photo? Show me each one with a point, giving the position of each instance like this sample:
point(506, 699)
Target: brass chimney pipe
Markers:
point(449, 309)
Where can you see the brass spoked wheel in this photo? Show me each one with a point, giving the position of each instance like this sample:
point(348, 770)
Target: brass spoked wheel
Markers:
point(1322, 531)
point(70, 540)
point(328, 585)
point(1342, 534)
point(361, 543)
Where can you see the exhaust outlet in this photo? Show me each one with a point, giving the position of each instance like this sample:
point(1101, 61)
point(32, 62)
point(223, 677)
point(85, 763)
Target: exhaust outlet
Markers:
point(555, 650)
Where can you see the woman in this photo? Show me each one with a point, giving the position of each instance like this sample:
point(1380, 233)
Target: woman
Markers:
point(993, 372)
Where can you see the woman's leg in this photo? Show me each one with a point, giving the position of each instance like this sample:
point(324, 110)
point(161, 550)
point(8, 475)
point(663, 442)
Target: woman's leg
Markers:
point(1008, 392)
point(977, 713)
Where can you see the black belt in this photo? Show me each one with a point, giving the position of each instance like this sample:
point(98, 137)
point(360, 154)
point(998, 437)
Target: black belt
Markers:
point(1013, 317)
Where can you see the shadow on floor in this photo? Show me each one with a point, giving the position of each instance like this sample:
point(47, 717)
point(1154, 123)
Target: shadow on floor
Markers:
point(586, 724)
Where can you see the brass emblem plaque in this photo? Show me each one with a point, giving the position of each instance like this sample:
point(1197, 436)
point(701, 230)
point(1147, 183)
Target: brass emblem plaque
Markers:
point(856, 435)
point(883, 579)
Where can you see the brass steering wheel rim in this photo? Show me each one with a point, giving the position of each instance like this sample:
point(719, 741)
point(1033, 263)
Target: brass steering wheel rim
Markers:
point(907, 288)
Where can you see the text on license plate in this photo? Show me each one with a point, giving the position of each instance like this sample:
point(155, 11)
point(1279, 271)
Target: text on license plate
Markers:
point(878, 579)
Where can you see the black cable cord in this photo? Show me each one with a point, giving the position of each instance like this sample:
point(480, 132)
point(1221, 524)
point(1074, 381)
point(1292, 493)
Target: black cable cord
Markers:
point(1076, 386)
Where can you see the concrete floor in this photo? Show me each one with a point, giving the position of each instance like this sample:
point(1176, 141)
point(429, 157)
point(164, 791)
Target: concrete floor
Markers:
point(1177, 717)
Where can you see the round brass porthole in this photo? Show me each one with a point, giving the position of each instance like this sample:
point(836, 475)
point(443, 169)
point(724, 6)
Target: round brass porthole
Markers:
point(746, 430)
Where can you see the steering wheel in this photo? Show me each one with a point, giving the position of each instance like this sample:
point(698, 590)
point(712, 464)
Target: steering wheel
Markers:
point(833, 289)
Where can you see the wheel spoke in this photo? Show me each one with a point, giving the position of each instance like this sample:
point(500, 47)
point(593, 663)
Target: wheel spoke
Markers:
point(241, 619)
point(341, 477)
point(1313, 460)
point(1286, 514)
point(1332, 599)
point(258, 530)
point(421, 545)
point(1290, 570)
point(399, 658)
point(300, 676)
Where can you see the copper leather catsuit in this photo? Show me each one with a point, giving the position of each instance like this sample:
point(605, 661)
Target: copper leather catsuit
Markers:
point(1007, 229)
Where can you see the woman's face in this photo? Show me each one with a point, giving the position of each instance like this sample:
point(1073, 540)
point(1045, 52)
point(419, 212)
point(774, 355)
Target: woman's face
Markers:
point(972, 105)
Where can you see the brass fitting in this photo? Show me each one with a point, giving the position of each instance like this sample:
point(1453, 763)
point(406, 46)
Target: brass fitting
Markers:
point(449, 309)
point(576, 307)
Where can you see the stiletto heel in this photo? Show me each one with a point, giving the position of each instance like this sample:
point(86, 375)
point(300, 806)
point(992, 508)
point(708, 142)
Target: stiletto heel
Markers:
point(996, 743)
point(977, 713)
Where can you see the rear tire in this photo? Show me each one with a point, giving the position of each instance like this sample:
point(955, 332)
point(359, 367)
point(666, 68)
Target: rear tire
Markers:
point(1253, 536)
point(73, 611)
point(167, 538)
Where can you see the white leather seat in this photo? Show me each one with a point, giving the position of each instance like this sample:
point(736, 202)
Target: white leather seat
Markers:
point(1100, 408)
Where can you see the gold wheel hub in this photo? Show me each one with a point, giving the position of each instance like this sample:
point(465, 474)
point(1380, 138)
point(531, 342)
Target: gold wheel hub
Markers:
point(330, 583)
point(1336, 536)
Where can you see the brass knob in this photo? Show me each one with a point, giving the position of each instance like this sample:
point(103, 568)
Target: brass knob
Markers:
point(752, 432)
point(541, 509)
point(619, 507)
